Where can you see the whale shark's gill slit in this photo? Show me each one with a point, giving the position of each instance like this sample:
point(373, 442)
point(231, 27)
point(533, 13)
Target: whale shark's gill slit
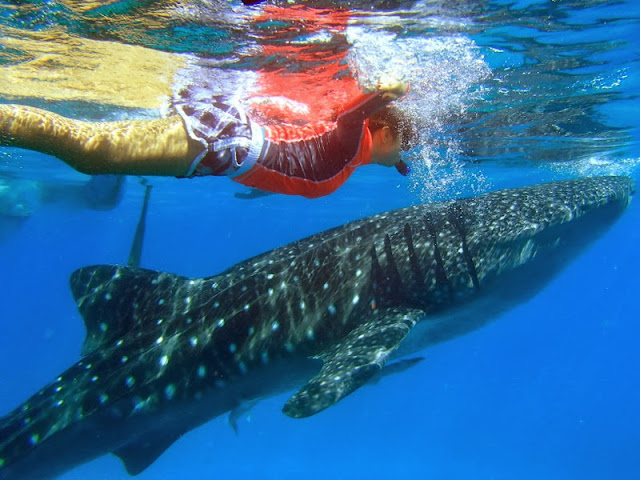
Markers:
point(456, 217)
point(442, 281)
point(377, 276)
point(418, 276)
point(394, 281)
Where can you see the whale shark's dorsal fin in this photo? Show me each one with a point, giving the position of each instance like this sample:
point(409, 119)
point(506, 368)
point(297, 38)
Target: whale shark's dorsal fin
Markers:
point(138, 455)
point(116, 300)
point(354, 361)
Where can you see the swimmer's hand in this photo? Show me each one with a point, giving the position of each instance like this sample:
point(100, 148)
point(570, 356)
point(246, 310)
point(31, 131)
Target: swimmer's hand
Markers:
point(392, 89)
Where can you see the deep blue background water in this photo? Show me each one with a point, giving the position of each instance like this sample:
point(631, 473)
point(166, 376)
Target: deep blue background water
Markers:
point(549, 390)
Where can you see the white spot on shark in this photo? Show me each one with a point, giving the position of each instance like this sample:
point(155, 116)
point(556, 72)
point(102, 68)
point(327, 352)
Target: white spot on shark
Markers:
point(139, 404)
point(164, 361)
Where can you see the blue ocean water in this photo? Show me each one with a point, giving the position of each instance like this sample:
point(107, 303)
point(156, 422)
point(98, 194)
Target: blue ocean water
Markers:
point(549, 389)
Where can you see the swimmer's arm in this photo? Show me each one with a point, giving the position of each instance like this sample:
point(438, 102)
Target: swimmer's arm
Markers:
point(368, 104)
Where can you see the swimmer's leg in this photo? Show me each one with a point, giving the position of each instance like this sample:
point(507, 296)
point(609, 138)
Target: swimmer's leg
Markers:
point(138, 147)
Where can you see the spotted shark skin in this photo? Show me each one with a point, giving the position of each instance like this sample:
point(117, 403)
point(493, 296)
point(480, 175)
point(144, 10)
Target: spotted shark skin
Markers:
point(323, 315)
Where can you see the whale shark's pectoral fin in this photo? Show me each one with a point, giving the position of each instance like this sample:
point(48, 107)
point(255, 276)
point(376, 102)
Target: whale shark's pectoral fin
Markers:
point(354, 361)
point(138, 455)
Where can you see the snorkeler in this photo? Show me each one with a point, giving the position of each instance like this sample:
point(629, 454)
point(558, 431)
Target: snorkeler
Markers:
point(216, 137)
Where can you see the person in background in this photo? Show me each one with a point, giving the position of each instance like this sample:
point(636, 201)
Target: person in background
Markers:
point(20, 198)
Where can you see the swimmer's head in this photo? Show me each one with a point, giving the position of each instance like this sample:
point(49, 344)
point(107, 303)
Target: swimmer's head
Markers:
point(392, 131)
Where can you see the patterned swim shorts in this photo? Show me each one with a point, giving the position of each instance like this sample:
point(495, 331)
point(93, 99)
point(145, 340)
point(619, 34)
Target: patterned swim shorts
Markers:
point(232, 141)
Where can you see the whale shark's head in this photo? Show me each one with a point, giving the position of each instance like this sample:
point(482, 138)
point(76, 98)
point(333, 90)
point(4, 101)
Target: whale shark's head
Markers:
point(544, 223)
point(430, 256)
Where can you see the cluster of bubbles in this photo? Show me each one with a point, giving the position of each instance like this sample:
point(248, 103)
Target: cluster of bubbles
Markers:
point(597, 166)
point(445, 74)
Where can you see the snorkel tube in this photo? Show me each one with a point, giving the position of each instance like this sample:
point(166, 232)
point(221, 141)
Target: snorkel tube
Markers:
point(403, 168)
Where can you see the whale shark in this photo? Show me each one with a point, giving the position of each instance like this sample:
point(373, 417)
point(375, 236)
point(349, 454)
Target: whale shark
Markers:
point(319, 317)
